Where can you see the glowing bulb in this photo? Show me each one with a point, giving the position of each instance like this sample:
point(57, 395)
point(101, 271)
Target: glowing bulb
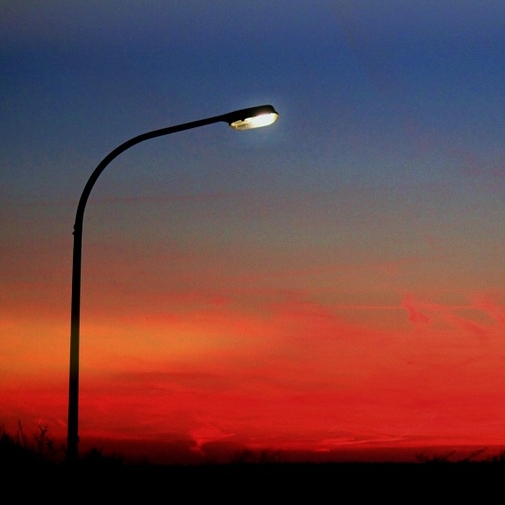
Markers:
point(255, 121)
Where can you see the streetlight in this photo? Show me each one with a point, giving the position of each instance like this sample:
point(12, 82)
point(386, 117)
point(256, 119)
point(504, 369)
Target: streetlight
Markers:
point(244, 119)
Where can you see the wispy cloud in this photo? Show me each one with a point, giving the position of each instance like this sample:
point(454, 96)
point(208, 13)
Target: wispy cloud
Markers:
point(415, 314)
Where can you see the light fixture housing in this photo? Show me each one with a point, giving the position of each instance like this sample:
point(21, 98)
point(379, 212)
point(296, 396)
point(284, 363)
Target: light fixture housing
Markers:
point(253, 117)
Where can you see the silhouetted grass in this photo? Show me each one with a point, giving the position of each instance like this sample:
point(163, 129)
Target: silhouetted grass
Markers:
point(42, 467)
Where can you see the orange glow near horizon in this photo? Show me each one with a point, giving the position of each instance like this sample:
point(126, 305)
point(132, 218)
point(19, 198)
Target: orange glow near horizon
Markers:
point(280, 373)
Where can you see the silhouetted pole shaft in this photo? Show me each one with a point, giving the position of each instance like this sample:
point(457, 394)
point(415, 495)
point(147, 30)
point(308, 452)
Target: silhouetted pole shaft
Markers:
point(73, 389)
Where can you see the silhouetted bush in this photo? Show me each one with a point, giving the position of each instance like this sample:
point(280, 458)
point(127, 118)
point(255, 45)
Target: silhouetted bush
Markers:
point(265, 456)
point(20, 451)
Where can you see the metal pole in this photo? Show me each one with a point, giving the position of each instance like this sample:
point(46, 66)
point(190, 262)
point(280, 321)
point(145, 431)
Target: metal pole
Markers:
point(73, 388)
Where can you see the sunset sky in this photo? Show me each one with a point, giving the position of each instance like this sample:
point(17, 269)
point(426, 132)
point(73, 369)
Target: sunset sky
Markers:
point(330, 284)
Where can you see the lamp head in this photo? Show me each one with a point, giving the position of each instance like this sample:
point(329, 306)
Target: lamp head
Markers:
point(253, 117)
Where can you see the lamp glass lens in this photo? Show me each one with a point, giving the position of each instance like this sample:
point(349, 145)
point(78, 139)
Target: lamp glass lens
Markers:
point(255, 122)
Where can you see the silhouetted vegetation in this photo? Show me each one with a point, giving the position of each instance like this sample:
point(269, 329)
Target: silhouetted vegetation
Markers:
point(36, 456)
point(262, 457)
point(19, 450)
point(446, 458)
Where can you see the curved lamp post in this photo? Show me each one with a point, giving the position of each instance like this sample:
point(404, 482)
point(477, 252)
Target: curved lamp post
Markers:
point(244, 119)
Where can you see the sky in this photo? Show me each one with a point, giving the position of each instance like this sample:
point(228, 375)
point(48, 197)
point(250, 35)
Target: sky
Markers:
point(330, 287)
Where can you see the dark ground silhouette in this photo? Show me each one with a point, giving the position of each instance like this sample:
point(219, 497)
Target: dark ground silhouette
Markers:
point(30, 471)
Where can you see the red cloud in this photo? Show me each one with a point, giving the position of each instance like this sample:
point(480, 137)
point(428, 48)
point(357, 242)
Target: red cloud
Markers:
point(415, 316)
